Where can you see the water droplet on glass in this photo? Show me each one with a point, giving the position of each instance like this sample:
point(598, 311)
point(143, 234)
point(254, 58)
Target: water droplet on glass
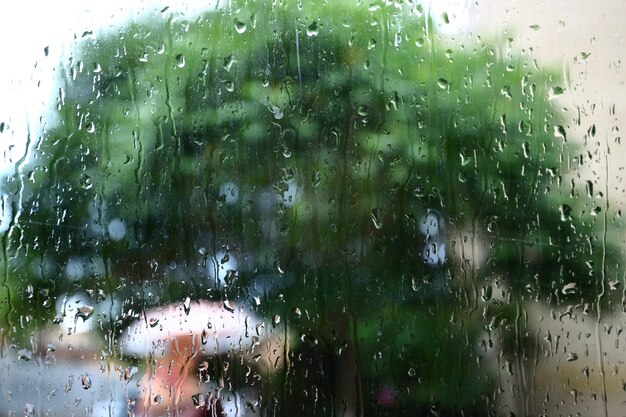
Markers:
point(85, 381)
point(187, 305)
point(130, 372)
point(180, 60)
point(555, 92)
point(559, 132)
point(85, 182)
point(312, 29)
point(24, 355)
point(153, 322)
point(228, 306)
point(278, 113)
point(377, 218)
point(565, 211)
point(240, 26)
point(198, 400)
point(569, 288)
point(229, 61)
point(571, 356)
point(84, 312)
point(443, 83)
point(30, 291)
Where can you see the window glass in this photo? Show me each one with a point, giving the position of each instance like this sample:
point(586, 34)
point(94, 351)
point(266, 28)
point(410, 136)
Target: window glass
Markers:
point(325, 208)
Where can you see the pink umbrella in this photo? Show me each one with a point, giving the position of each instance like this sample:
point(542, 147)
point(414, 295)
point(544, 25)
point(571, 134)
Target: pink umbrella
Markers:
point(175, 338)
point(212, 327)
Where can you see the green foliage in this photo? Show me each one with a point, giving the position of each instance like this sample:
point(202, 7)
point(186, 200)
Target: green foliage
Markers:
point(338, 128)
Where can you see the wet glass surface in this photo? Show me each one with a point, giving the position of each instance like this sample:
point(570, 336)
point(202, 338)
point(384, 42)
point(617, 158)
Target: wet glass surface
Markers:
point(317, 208)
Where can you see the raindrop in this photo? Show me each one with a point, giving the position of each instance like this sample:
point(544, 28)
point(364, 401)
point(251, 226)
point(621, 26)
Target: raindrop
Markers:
point(187, 305)
point(312, 29)
point(278, 113)
point(228, 306)
point(198, 400)
point(506, 92)
point(377, 218)
point(443, 83)
point(130, 372)
point(565, 211)
point(240, 26)
point(84, 312)
point(288, 175)
point(554, 92)
point(85, 381)
point(24, 355)
point(180, 60)
point(229, 61)
point(153, 322)
point(30, 291)
point(569, 288)
point(275, 320)
point(85, 182)
point(559, 132)
point(571, 356)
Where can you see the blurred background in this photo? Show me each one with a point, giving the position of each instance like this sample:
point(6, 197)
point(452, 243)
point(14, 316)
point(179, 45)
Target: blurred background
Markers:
point(381, 208)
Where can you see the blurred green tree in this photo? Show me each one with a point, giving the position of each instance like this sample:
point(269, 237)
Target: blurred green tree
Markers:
point(326, 162)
